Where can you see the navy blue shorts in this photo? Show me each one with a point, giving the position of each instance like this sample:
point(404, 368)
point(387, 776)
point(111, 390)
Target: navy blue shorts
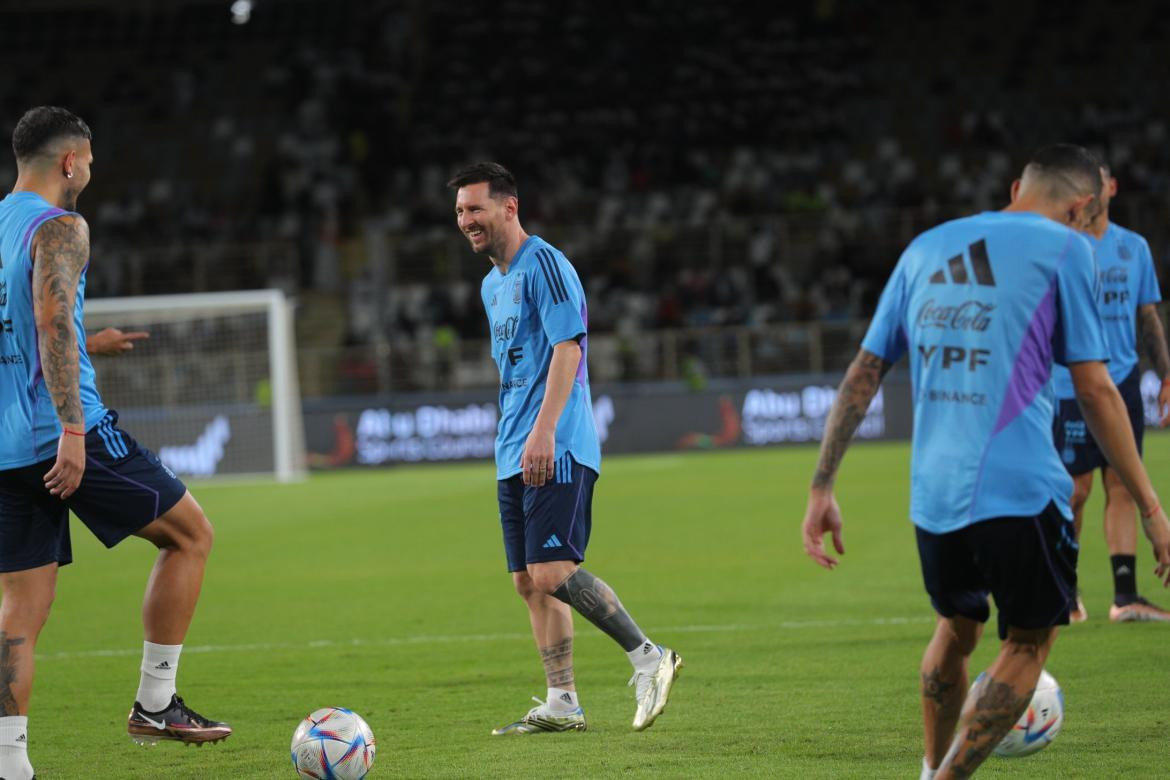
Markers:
point(1076, 445)
point(124, 488)
point(551, 522)
point(1028, 564)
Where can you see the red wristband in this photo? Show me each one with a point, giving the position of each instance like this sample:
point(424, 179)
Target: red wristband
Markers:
point(1152, 512)
point(73, 433)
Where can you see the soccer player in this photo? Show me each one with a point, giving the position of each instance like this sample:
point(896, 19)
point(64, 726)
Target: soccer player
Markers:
point(547, 453)
point(984, 305)
point(61, 450)
point(1129, 298)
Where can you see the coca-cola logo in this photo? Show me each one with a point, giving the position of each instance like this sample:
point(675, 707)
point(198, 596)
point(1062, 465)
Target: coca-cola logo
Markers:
point(506, 330)
point(969, 315)
point(1115, 275)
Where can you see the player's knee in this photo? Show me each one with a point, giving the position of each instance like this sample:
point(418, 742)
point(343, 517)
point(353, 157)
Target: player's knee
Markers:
point(546, 579)
point(524, 585)
point(202, 536)
point(24, 611)
point(1029, 641)
point(1115, 491)
point(962, 634)
point(1080, 494)
point(190, 533)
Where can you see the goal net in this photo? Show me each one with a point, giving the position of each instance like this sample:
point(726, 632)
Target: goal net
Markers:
point(214, 389)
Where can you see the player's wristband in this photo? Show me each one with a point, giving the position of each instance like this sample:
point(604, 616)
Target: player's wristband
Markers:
point(1166, 382)
point(1152, 512)
point(73, 433)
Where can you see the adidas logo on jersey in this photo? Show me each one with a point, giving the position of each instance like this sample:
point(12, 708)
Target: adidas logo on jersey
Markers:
point(958, 268)
point(553, 541)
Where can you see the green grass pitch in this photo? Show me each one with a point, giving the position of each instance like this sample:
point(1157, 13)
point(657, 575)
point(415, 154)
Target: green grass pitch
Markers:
point(385, 592)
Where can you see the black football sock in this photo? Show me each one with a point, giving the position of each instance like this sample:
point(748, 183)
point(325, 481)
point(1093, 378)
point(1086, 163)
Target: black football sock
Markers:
point(1124, 579)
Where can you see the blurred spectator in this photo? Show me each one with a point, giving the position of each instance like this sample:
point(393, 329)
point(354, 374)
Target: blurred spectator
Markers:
point(702, 164)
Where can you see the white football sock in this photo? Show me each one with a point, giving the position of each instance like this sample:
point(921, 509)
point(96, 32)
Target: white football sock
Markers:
point(14, 763)
point(645, 657)
point(560, 700)
point(927, 772)
point(160, 666)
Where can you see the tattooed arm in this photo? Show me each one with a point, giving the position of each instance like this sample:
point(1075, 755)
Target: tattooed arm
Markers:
point(1153, 341)
point(60, 251)
point(849, 407)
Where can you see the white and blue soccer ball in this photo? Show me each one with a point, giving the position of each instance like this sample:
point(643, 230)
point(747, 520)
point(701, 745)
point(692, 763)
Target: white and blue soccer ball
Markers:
point(1039, 724)
point(333, 743)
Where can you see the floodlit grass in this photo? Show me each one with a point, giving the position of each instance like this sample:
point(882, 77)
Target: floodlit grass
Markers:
point(386, 592)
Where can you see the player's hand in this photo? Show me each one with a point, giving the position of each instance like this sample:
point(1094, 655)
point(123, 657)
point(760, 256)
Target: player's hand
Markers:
point(820, 517)
point(65, 476)
point(538, 458)
point(1164, 403)
point(112, 341)
point(1157, 530)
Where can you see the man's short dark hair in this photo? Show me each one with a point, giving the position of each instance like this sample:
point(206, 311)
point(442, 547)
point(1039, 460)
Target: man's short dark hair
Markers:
point(41, 126)
point(1068, 170)
point(501, 182)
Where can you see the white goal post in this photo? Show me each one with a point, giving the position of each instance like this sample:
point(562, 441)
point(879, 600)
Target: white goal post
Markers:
point(214, 389)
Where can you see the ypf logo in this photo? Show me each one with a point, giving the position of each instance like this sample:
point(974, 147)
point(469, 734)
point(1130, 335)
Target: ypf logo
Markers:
point(953, 356)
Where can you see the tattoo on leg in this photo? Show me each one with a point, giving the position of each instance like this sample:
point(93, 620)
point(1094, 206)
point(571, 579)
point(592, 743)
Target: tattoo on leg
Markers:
point(598, 604)
point(8, 704)
point(936, 689)
point(1025, 648)
point(558, 663)
point(997, 708)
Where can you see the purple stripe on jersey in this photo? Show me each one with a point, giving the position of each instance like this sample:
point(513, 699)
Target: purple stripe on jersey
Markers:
point(583, 365)
point(41, 219)
point(1033, 365)
point(36, 375)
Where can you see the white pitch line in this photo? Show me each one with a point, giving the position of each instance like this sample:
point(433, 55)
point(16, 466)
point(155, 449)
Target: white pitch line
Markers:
point(425, 639)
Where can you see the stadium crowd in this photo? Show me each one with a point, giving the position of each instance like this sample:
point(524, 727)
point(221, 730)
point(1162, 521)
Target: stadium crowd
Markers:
point(731, 163)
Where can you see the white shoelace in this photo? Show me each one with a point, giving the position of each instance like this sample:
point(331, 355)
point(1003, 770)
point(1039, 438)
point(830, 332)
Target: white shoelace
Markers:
point(641, 682)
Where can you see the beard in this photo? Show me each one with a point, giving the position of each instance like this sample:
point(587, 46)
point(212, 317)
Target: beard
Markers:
point(491, 246)
point(69, 198)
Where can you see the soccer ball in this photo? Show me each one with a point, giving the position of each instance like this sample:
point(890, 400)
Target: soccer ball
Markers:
point(1039, 724)
point(333, 743)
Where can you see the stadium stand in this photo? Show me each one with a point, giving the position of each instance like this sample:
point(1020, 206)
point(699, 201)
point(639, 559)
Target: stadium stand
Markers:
point(705, 165)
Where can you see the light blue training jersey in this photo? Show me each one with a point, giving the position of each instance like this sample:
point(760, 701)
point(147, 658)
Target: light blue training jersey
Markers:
point(29, 428)
point(539, 303)
point(1128, 280)
point(984, 305)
